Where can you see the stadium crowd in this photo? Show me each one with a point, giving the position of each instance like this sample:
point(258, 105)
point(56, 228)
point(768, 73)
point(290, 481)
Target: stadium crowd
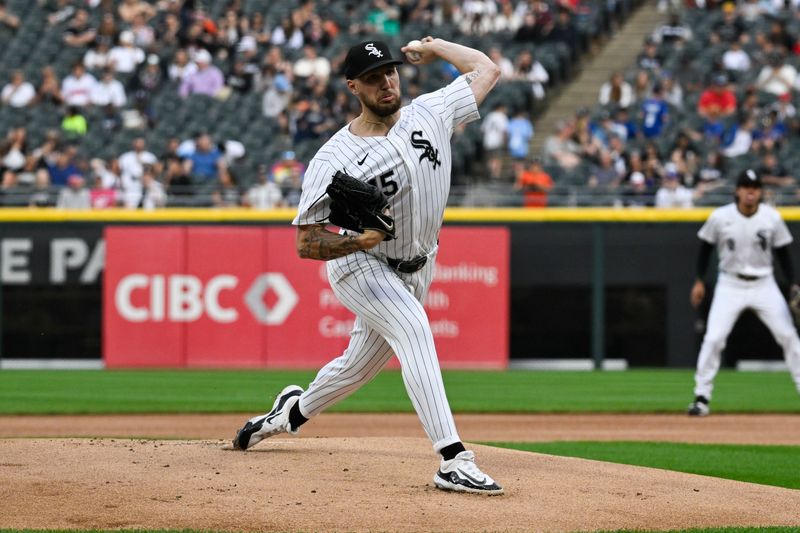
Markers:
point(713, 91)
point(146, 104)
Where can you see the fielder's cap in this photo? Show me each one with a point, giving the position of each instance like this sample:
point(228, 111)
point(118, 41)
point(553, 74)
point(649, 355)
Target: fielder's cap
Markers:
point(126, 37)
point(749, 178)
point(367, 56)
point(152, 59)
point(671, 170)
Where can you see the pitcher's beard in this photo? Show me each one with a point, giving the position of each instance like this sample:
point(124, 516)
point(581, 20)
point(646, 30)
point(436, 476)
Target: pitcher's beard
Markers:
point(384, 110)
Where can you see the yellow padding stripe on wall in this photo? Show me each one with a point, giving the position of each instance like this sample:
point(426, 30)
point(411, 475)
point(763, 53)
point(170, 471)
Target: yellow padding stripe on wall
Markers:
point(455, 214)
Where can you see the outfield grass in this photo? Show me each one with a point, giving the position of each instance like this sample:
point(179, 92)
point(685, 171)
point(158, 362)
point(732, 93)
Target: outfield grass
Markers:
point(768, 465)
point(207, 391)
point(717, 530)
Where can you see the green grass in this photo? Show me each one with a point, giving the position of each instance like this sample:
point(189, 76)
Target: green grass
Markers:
point(717, 530)
point(768, 465)
point(179, 391)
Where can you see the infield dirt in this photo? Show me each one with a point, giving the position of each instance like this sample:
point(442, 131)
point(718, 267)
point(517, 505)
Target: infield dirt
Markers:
point(723, 429)
point(369, 481)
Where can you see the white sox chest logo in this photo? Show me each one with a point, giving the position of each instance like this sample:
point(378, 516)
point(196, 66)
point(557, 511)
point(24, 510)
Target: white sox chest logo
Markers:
point(372, 50)
point(763, 239)
point(428, 151)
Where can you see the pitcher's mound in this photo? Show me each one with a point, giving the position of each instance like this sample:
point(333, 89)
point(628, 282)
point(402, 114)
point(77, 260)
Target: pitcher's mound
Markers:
point(353, 484)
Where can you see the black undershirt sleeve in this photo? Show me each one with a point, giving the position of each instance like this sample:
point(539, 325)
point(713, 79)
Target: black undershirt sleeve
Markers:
point(703, 257)
point(785, 260)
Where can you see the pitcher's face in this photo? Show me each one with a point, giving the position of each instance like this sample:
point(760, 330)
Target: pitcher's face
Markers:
point(378, 90)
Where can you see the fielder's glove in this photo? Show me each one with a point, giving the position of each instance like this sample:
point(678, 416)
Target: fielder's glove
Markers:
point(794, 302)
point(358, 206)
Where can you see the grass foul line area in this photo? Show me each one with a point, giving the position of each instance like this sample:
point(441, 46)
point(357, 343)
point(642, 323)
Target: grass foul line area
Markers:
point(767, 465)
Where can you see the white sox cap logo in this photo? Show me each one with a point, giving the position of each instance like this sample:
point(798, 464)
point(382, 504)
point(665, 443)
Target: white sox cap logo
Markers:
point(366, 56)
point(372, 50)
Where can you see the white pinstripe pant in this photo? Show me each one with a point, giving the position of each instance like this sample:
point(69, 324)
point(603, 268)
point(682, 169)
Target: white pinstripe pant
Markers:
point(390, 320)
point(733, 296)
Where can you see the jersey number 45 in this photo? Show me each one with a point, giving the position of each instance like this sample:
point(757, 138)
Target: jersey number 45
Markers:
point(387, 185)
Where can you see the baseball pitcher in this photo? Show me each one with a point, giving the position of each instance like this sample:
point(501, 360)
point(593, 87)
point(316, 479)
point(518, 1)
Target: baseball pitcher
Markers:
point(746, 234)
point(384, 180)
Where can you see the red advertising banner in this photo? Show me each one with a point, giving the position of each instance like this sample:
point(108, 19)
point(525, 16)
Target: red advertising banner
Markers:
point(318, 328)
point(140, 327)
point(468, 302)
point(221, 263)
point(240, 297)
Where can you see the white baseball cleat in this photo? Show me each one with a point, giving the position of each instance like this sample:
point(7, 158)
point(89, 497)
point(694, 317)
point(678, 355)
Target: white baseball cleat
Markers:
point(699, 407)
point(463, 475)
point(276, 421)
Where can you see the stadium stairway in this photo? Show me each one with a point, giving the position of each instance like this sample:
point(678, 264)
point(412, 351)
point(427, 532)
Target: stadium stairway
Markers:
point(617, 53)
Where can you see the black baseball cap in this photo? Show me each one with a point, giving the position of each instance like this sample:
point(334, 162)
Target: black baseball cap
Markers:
point(749, 178)
point(367, 56)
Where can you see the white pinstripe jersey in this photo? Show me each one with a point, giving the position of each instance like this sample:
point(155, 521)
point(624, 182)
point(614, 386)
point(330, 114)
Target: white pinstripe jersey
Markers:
point(744, 244)
point(411, 164)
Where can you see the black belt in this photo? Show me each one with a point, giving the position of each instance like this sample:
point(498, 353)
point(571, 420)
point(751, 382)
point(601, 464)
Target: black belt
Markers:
point(408, 266)
point(747, 278)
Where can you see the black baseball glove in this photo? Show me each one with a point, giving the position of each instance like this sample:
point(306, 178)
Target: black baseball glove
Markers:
point(358, 206)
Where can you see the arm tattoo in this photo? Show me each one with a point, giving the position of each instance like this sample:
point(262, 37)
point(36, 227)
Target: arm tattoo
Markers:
point(319, 243)
point(472, 76)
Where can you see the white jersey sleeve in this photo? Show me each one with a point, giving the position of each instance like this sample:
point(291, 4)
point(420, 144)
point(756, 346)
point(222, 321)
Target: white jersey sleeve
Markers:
point(782, 235)
point(455, 103)
point(314, 207)
point(710, 230)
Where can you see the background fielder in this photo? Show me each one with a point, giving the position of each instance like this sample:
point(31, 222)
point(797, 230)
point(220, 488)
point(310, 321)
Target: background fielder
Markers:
point(746, 233)
point(406, 152)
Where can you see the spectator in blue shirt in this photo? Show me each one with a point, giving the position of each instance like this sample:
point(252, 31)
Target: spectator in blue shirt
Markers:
point(63, 168)
point(205, 159)
point(713, 130)
point(520, 133)
point(770, 133)
point(622, 119)
point(655, 113)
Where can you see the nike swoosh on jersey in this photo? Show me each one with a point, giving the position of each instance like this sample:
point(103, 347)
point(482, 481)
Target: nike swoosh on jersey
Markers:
point(362, 161)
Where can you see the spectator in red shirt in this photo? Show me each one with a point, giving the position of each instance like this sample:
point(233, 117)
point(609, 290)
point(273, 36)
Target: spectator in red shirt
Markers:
point(718, 99)
point(534, 183)
point(100, 197)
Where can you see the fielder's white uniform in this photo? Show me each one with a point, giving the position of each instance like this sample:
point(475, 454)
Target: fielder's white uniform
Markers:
point(746, 281)
point(412, 166)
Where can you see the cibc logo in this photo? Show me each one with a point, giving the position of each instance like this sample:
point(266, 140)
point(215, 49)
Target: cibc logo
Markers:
point(185, 298)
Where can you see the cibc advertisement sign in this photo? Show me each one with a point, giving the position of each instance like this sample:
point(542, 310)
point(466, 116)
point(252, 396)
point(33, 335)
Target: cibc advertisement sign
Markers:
point(236, 296)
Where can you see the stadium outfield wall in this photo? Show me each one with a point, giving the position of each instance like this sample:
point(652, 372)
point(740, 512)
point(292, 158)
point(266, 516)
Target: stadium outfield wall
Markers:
point(582, 283)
